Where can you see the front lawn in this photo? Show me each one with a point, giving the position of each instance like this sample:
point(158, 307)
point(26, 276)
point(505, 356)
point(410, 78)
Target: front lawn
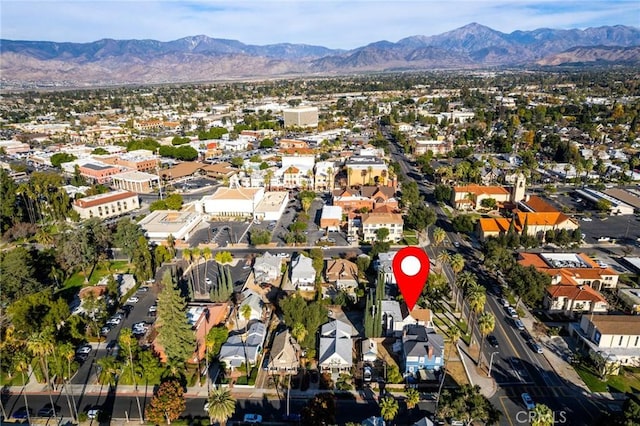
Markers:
point(627, 381)
point(410, 238)
point(101, 270)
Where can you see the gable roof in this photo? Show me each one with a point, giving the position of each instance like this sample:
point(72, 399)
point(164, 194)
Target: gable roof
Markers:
point(480, 190)
point(335, 341)
point(283, 349)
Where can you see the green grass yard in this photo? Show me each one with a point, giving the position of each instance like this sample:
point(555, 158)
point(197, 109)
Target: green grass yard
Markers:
point(627, 381)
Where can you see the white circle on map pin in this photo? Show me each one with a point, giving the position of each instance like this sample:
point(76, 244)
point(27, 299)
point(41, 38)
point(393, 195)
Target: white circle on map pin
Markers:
point(410, 265)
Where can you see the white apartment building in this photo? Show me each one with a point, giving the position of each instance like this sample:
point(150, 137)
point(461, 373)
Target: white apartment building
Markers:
point(371, 222)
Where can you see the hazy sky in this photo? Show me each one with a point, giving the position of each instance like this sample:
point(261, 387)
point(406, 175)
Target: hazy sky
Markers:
point(332, 23)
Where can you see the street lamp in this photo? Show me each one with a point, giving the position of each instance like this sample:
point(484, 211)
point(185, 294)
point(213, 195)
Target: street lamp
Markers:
point(491, 362)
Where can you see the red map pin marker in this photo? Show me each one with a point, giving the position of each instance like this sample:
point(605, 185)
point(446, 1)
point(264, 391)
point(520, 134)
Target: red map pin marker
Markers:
point(411, 268)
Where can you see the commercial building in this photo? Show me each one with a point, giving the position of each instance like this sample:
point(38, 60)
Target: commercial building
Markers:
point(300, 117)
point(366, 170)
point(232, 202)
point(611, 340)
point(141, 160)
point(616, 206)
point(161, 223)
point(110, 204)
point(471, 197)
point(272, 206)
point(331, 218)
point(98, 172)
point(140, 182)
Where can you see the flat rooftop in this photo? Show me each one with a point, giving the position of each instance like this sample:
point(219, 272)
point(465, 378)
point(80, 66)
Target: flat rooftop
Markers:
point(272, 201)
point(565, 260)
point(168, 221)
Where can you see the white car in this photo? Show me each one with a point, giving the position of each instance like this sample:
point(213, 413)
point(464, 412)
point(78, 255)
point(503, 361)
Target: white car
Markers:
point(504, 302)
point(84, 349)
point(587, 219)
point(208, 281)
point(114, 321)
point(283, 255)
point(133, 299)
point(512, 312)
point(93, 413)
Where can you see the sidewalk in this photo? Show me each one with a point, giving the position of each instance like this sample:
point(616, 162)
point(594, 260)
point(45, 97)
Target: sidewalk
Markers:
point(555, 350)
point(488, 385)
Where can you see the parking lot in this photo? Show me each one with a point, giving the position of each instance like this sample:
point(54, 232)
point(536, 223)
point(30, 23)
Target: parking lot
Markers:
point(221, 233)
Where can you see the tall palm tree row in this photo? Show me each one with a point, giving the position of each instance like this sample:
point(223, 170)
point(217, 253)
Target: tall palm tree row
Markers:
point(476, 297)
point(40, 345)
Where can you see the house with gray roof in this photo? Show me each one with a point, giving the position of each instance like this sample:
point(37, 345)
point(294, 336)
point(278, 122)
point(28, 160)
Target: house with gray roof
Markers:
point(336, 347)
point(267, 268)
point(241, 348)
point(254, 301)
point(422, 351)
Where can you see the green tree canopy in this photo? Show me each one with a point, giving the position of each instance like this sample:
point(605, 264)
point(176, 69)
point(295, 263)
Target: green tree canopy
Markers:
point(61, 157)
point(174, 330)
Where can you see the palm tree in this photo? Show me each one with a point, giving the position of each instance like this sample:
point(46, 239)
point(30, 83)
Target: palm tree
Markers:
point(543, 416)
point(457, 264)
point(443, 258)
point(186, 256)
point(370, 172)
point(486, 324)
point(171, 244)
point(109, 369)
point(349, 174)
point(463, 282)
point(220, 406)
point(41, 346)
point(298, 332)
point(330, 178)
point(22, 366)
point(245, 311)
point(388, 408)
point(126, 340)
point(207, 256)
point(383, 175)
point(438, 236)
point(196, 254)
point(412, 398)
point(268, 176)
point(477, 297)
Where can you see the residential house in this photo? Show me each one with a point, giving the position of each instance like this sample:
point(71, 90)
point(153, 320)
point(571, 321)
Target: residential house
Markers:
point(303, 274)
point(336, 347)
point(381, 196)
point(422, 351)
point(253, 300)
point(369, 350)
point(611, 340)
point(396, 316)
point(384, 265)
point(267, 268)
point(242, 348)
point(284, 353)
point(371, 222)
point(340, 269)
point(351, 200)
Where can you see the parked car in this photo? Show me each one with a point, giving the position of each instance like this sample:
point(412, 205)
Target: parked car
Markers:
point(587, 219)
point(22, 413)
point(49, 411)
point(94, 412)
point(519, 325)
point(84, 349)
point(504, 302)
point(367, 374)
point(512, 312)
point(252, 418)
point(493, 341)
point(114, 321)
point(133, 299)
point(284, 255)
point(535, 346)
point(105, 330)
point(528, 401)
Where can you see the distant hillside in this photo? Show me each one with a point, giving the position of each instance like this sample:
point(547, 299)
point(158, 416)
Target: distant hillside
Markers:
point(594, 55)
point(201, 58)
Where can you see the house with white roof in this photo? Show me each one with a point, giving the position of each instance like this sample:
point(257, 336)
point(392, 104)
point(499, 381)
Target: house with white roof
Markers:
point(336, 347)
point(267, 268)
point(303, 274)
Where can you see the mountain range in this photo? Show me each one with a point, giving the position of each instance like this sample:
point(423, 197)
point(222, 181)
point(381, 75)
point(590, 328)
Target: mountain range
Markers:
point(201, 58)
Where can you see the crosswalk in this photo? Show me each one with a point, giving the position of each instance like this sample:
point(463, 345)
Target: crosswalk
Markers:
point(537, 391)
